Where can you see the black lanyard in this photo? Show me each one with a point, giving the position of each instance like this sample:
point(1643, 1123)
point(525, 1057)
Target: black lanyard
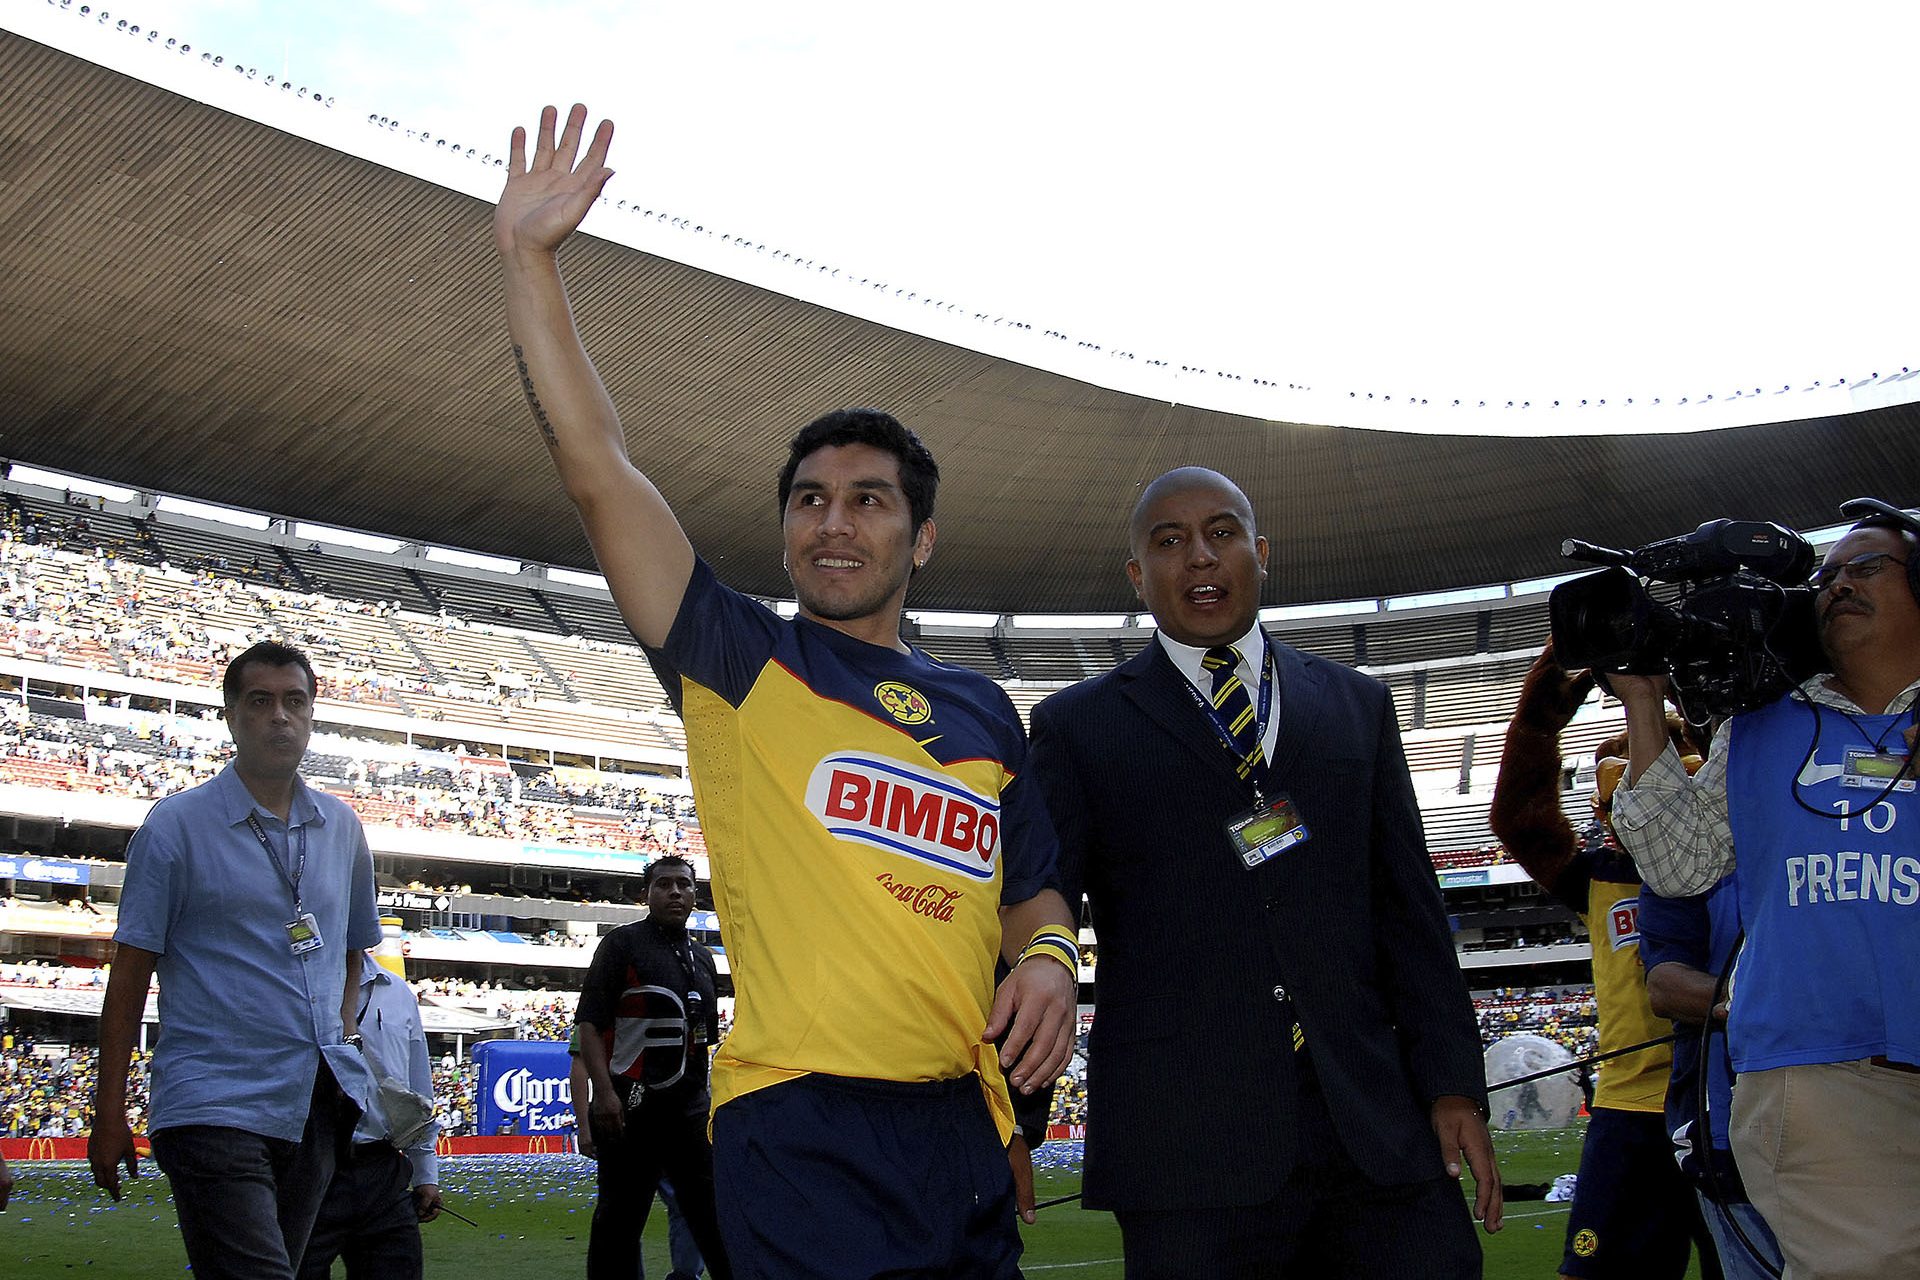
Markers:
point(689, 970)
point(299, 866)
point(1219, 722)
point(1911, 715)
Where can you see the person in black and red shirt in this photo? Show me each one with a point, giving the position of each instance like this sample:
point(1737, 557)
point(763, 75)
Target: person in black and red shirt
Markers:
point(648, 1017)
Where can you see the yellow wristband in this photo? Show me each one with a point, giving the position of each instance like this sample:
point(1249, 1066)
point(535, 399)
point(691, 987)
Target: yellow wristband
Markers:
point(1053, 941)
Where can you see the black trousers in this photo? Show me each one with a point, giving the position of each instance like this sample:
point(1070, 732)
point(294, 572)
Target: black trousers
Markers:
point(630, 1166)
point(827, 1178)
point(367, 1219)
point(1329, 1220)
point(246, 1202)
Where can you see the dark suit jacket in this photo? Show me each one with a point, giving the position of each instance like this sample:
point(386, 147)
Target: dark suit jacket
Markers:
point(1192, 1072)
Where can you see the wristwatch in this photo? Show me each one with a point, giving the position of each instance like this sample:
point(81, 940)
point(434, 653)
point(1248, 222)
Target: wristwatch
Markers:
point(357, 1040)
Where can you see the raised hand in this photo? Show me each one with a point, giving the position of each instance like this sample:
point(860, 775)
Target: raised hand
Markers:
point(640, 546)
point(545, 200)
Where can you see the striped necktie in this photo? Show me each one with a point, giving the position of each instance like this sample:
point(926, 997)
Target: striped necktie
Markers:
point(1235, 707)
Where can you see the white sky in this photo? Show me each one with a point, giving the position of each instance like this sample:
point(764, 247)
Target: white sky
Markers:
point(1475, 201)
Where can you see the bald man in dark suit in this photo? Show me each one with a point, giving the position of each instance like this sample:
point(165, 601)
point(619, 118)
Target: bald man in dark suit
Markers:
point(1285, 1068)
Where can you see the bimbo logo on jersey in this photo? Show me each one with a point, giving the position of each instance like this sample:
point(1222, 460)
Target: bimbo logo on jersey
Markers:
point(1623, 922)
point(924, 816)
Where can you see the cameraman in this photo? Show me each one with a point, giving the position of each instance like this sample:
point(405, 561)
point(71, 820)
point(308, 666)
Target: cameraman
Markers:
point(1810, 803)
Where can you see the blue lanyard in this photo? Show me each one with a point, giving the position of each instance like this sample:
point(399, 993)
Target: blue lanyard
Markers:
point(299, 866)
point(1219, 722)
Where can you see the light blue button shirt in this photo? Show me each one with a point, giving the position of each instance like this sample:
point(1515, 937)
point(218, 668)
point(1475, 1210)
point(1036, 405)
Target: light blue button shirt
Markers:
point(245, 1023)
point(390, 1024)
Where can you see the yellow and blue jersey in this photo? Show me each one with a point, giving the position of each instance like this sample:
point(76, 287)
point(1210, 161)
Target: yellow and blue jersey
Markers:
point(865, 821)
point(1603, 886)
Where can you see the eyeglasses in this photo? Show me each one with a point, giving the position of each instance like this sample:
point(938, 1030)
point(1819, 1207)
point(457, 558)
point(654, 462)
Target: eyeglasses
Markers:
point(1860, 568)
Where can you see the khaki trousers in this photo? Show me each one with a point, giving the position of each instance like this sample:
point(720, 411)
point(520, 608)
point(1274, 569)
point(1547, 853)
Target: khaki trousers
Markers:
point(1830, 1155)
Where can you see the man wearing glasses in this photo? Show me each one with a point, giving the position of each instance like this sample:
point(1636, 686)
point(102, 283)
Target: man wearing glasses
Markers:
point(1811, 804)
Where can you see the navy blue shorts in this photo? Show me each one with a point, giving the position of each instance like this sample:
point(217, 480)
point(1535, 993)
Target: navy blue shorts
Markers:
point(1634, 1214)
point(840, 1179)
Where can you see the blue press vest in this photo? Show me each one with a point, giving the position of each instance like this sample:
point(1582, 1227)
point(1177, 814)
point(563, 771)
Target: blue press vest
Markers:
point(1831, 971)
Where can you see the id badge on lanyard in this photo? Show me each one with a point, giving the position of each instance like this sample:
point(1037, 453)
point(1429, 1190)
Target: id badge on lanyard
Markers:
point(1876, 767)
point(303, 931)
point(1266, 831)
point(304, 934)
point(1272, 825)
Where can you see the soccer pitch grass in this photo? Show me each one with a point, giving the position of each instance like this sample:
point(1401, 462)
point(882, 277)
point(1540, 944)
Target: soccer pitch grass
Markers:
point(533, 1213)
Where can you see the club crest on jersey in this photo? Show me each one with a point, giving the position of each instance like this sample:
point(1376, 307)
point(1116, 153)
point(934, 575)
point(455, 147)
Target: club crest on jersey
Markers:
point(928, 817)
point(1623, 922)
point(903, 702)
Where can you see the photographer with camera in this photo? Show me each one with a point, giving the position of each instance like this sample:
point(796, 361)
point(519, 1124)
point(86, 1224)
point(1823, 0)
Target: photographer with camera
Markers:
point(1632, 1213)
point(1810, 802)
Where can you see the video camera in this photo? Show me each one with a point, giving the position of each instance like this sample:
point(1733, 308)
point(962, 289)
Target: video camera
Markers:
point(1737, 633)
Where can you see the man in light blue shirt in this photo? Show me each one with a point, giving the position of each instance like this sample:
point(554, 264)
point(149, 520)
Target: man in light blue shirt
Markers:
point(252, 897)
point(379, 1197)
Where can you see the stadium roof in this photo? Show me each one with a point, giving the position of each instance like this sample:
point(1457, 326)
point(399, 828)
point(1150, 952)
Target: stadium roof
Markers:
point(196, 303)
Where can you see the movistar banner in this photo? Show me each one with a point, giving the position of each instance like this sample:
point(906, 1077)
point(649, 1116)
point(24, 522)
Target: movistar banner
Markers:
point(14, 867)
point(523, 1087)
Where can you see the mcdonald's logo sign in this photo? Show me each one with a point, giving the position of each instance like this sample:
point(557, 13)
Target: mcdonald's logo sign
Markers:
point(539, 1145)
point(40, 1149)
point(443, 1146)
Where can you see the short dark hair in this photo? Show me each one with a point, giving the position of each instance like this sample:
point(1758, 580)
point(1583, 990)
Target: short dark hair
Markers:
point(646, 876)
point(919, 473)
point(270, 653)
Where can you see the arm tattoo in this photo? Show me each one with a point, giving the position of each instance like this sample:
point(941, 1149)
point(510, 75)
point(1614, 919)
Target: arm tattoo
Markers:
point(533, 400)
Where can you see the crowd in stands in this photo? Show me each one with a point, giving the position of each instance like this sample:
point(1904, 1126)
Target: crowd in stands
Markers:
point(1486, 855)
point(1070, 1095)
point(78, 599)
point(541, 1015)
point(46, 1090)
point(456, 1083)
point(81, 916)
point(41, 973)
point(1566, 1016)
point(100, 615)
point(147, 756)
point(149, 766)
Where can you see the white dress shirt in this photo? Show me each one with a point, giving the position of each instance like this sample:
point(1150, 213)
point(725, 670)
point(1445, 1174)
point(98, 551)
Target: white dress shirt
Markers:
point(1252, 648)
point(390, 1023)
